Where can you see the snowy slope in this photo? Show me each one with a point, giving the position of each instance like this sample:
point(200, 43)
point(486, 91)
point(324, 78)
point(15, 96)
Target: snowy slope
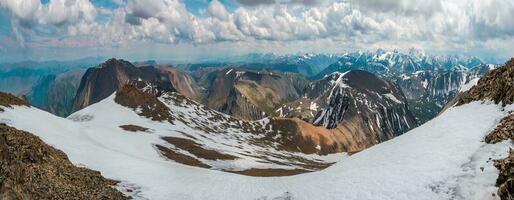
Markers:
point(439, 160)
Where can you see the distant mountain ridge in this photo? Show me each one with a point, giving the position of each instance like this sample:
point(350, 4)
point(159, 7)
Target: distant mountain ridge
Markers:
point(101, 81)
point(305, 64)
point(428, 82)
point(250, 94)
point(395, 62)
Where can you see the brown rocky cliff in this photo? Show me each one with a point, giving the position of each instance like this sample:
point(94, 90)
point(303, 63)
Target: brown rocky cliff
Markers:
point(100, 82)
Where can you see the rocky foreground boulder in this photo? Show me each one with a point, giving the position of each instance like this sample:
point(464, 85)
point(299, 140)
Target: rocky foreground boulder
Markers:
point(31, 169)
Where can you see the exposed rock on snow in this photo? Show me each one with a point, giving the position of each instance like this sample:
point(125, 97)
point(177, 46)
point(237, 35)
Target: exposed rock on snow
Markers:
point(145, 103)
point(194, 135)
point(504, 131)
point(133, 128)
point(9, 100)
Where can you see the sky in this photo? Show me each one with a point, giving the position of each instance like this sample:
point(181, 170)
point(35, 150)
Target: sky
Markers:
point(196, 29)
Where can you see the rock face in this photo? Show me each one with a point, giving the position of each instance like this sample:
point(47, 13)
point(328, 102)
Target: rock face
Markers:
point(102, 81)
point(31, 169)
point(363, 108)
point(55, 93)
point(249, 94)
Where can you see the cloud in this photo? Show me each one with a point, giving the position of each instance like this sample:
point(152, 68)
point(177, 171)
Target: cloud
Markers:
point(56, 12)
point(256, 2)
point(400, 7)
point(491, 19)
point(437, 24)
point(217, 10)
point(271, 2)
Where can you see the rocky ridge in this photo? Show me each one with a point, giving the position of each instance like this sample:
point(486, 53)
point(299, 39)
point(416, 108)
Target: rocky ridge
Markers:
point(497, 86)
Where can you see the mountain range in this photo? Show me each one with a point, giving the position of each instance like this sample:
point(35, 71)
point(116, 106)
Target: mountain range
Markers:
point(356, 121)
point(195, 146)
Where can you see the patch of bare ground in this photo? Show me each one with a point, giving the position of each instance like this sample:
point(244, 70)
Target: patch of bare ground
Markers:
point(270, 172)
point(133, 128)
point(181, 158)
point(147, 103)
point(8, 100)
point(197, 149)
point(31, 169)
point(296, 135)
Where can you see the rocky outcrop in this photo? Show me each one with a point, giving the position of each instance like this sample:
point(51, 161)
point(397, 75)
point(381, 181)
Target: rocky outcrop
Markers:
point(9, 100)
point(102, 81)
point(31, 169)
point(497, 85)
point(144, 103)
point(504, 131)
